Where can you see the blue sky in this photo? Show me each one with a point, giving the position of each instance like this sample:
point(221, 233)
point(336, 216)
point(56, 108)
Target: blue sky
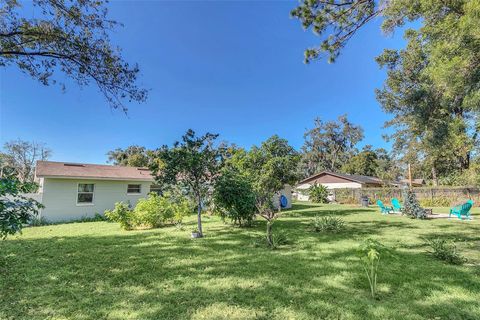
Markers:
point(234, 68)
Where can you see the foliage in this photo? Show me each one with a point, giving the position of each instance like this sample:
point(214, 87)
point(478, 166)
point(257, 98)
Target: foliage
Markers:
point(16, 209)
point(339, 18)
point(193, 164)
point(133, 156)
point(19, 158)
point(370, 252)
point(276, 240)
point(446, 250)
point(269, 167)
point(156, 211)
point(318, 193)
point(438, 201)
point(234, 197)
point(121, 214)
point(72, 37)
point(411, 207)
point(330, 224)
point(328, 145)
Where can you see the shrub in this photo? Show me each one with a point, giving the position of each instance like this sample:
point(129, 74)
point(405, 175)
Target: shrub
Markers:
point(156, 211)
point(121, 214)
point(330, 224)
point(436, 202)
point(446, 251)
point(235, 198)
point(277, 239)
point(411, 206)
point(369, 253)
point(318, 193)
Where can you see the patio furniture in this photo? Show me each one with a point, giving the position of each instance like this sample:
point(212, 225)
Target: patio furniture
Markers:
point(384, 209)
point(462, 210)
point(397, 207)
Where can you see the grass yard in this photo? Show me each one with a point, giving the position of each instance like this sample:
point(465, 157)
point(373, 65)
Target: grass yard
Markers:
point(97, 271)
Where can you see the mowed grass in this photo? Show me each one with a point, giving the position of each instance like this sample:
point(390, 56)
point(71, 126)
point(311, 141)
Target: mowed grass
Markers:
point(97, 271)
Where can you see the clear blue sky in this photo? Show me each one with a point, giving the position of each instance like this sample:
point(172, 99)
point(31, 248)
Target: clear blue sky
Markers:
point(234, 68)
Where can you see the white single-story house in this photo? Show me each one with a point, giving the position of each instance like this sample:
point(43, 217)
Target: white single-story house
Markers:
point(71, 191)
point(333, 180)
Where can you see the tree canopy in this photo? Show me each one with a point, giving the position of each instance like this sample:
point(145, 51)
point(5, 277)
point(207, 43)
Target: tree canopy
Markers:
point(329, 145)
point(132, 156)
point(19, 158)
point(70, 37)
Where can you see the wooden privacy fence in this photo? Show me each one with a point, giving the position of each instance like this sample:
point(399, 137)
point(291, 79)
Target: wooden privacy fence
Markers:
point(428, 196)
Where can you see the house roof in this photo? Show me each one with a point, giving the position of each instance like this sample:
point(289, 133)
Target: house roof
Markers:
point(91, 171)
point(351, 177)
point(418, 182)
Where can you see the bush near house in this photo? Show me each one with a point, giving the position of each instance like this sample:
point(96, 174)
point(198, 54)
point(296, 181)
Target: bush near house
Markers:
point(318, 193)
point(152, 212)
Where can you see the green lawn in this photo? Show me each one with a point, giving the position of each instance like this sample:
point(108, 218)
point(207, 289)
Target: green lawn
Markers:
point(97, 271)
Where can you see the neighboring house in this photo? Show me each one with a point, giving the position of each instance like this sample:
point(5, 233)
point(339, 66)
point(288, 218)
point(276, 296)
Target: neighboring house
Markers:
point(415, 182)
point(71, 191)
point(336, 181)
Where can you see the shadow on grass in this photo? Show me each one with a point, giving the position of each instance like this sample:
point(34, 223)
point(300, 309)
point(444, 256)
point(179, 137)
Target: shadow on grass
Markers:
point(165, 275)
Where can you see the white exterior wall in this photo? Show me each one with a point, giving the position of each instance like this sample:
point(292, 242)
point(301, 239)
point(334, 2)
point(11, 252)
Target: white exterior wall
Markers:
point(60, 197)
point(337, 185)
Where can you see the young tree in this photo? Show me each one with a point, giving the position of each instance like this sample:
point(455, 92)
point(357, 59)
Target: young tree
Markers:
point(133, 156)
point(269, 167)
point(20, 157)
point(71, 37)
point(192, 163)
point(329, 144)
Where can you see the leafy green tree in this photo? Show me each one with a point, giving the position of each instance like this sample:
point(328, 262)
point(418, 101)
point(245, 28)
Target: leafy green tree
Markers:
point(234, 197)
point(71, 37)
point(15, 208)
point(363, 163)
point(193, 164)
point(373, 162)
point(329, 145)
point(132, 156)
point(269, 167)
point(20, 157)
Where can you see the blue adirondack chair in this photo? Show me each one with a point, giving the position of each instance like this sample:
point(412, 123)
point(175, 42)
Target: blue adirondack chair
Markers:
point(384, 209)
point(462, 210)
point(397, 207)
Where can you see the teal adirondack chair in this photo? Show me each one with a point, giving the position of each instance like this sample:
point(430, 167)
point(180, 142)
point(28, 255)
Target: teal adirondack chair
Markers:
point(462, 210)
point(384, 209)
point(397, 207)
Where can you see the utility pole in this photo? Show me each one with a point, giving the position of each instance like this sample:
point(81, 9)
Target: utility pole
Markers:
point(410, 175)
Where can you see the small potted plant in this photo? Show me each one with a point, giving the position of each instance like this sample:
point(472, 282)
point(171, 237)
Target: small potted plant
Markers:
point(196, 233)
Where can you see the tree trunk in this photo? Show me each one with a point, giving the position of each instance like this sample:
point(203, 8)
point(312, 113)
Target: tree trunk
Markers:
point(269, 232)
point(199, 216)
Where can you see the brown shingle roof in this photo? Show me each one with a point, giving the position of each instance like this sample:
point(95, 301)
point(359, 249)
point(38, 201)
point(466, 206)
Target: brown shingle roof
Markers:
point(352, 177)
point(93, 171)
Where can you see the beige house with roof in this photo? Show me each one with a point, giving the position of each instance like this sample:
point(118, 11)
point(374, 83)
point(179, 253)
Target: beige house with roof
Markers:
point(332, 180)
point(71, 191)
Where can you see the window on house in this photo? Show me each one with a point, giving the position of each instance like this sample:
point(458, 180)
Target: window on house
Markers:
point(85, 193)
point(155, 188)
point(134, 188)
